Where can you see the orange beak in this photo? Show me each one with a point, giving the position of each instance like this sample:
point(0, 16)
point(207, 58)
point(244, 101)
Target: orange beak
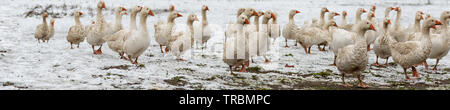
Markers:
point(207, 8)
point(337, 14)
point(124, 9)
point(103, 5)
point(297, 11)
point(81, 13)
point(364, 10)
point(125, 13)
point(438, 22)
point(179, 15)
point(372, 27)
point(421, 18)
point(254, 13)
point(396, 9)
point(172, 7)
point(335, 25)
point(151, 13)
point(326, 10)
point(373, 15)
point(273, 16)
point(421, 13)
point(262, 13)
point(53, 23)
point(246, 21)
point(374, 7)
point(389, 21)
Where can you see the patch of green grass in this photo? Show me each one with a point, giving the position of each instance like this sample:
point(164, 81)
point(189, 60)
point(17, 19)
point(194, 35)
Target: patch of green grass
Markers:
point(254, 69)
point(447, 69)
point(254, 77)
point(141, 66)
point(211, 78)
point(289, 55)
point(322, 74)
point(201, 65)
point(239, 77)
point(176, 81)
point(283, 81)
point(185, 69)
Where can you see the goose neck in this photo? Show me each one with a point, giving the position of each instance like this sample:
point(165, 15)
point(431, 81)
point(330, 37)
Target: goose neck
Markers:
point(143, 21)
point(77, 20)
point(133, 21)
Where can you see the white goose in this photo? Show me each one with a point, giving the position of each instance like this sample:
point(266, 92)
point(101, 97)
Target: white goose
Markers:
point(331, 16)
point(322, 17)
point(263, 40)
point(409, 53)
point(77, 32)
point(352, 59)
point(230, 47)
point(185, 41)
point(42, 29)
point(344, 18)
point(371, 35)
point(288, 28)
point(440, 42)
point(359, 12)
point(138, 40)
point(205, 29)
point(164, 30)
point(274, 29)
point(116, 26)
point(116, 40)
point(96, 33)
point(398, 32)
point(51, 30)
point(314, 36)
point(381, 44)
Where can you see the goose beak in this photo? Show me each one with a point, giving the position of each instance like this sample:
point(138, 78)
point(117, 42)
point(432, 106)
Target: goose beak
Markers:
point(246, 21)
point(172, 7)
point(81, 13)
point(335, 25)
point(389, 21)
point(372, 27)
point(93, 22)
point(326, 10)
point(438, 22)
point(373, 15)
point(179, 15)
point(254, 13)
point(151, 13)
point(103, 5)
point(421, 13)
point(124, 9)
point(297, 11)
point(125, 13)
point(421, 17)
point(207, 8)
point(396, 9)
point(273, 16)
point(392, 8)
point(337, 14)
point(262, 13)
point(364, 10)
point(374, 7)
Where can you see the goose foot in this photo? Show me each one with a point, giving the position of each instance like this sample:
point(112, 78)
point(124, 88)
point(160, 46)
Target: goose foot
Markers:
point(99, 51)
point(415, 73)
point(288, 66)
point(347, 85)
point(426, 65)
point(361, 83)
point(180, 59)
point(267, 61)
point(243, 69)
point(368, 47)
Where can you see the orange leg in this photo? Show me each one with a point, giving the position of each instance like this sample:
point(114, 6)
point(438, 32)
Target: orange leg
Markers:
point(414, 71)
point(334, 62)
point(361, 83)
point(368, 47)
point(425, 64)
point(343, 81)
point(435, 66)
point(243, 68)
point(99, 50)
point(286, 44)
point(406, 75)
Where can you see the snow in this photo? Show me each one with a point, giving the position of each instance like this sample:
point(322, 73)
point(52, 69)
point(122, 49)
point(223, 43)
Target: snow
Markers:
point(25, 64)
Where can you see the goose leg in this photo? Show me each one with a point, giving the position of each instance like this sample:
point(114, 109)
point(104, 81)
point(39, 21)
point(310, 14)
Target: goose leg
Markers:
point(243, 68)
point(286, 44)
point(78, 46)
point(318, 47)
point(267, 60)
point(435, 66)
point(425, 64)
point(368, 47)
point(376, 62)
point(309, 50)
point(334, 62)
point(130, 59)
point(93, 49)
point(296, 43)
point(306, 50)
point(386, 64)
point(231, 70)
point(415, 73)
point(71, 46)
point(136, 60)
point(406, 75)
point(361, 83)
point(99, 50)
point(160, 46)
point(343, 81)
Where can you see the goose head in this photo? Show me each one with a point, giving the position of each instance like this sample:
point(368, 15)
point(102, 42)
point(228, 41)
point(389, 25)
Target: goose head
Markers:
point(171, 8)
point(293, 12)
point(388, 10)
point(431, 23)
point(146, 11)
point(370, 15)
point(45, 15)
point(344, 13)
point(101, 5)
point(191, 18)
point(398, 9)
point(120, 11)
point(366, 25)
point(445, 15)
point(205, 8)
point(136, 9)
point(418, 16)
point(269, 14)
point(373, 8)
point(332, 14)
point(260, 13)
point(242, 19)
point(386, 22)
point(427, 16)
point(324, 10)
point(331, 23)
point(52, 22)
point(360, 11)
point(174, 15)
point(78, 13)
point(250, 12)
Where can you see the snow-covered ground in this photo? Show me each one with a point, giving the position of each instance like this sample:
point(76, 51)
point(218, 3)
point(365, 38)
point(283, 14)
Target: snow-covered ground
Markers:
point(25, 64)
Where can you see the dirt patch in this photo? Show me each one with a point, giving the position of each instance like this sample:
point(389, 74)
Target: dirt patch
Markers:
point(176, 81)
point(121, 67)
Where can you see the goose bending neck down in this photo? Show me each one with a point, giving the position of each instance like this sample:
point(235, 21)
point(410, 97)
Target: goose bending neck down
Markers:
point(352, 59)
point(138, 41)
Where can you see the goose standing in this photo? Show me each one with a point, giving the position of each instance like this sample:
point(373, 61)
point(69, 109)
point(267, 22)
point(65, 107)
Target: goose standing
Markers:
point(381, 44)
point(185, 41)
point(352, 59)
point(77, 32)
point(116, 26)
point(263, 40)
point(331, 16)
point(51, 30)
point(138, 40)
point(371, 35)
point(409, 53)
point(322, 17)
point(398, 32)
point(42, 29)
point(206, 31)
point(440, 42)
point(344, 18)
point(115, 41)
point(288, 28)
point(314, 36)
point(164, 30)
point(230, 47)
point(97, 31)
point(274, 28)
